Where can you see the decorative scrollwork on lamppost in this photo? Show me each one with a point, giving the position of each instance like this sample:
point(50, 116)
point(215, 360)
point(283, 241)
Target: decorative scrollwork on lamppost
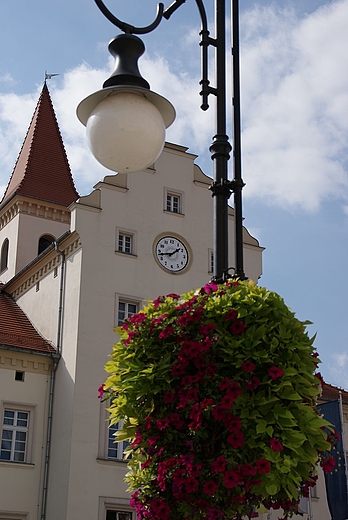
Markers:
point(126, 121)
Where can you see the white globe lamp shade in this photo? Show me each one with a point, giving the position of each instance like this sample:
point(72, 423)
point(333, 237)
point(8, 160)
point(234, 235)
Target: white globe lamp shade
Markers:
point(126, 132)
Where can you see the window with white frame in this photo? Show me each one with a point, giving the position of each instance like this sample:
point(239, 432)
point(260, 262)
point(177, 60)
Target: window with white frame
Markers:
point(125, 309)
point(125, 242)
point(115, 509)
point(113, 514)
point(14, 438)
point(173, 201)
point(115, 449)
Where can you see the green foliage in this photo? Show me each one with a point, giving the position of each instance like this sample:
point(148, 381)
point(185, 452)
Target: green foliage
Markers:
point(217, 392)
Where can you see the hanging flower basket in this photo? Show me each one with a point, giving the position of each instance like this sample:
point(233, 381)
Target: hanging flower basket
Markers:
point(218, 396)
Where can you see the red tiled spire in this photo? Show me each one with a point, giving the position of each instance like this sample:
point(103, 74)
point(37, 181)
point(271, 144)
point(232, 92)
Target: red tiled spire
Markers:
point(42, 170)
point(16, 329)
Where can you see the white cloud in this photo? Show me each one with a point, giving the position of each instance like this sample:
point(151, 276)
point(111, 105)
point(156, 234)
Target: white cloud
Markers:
point(7, 79)
point(294, 106)
point(339, 369)
point(294, 85)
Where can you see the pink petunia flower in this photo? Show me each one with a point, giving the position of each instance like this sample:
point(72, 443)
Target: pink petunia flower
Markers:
point(236, 439)
point(168, 397)
point(162, 424)
point(231, 315)
point(275, 372)
point(101, 392)
point(328, 464)
point(219, 465)
point(248, 366)
point(252, 383)
point(230, 479)
point(276, 445)
point(210, 487)
point(263, 466)
point(237, 327)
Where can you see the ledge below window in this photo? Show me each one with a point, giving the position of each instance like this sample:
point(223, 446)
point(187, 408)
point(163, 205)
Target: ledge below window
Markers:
point(12, 463)
point(111, 461)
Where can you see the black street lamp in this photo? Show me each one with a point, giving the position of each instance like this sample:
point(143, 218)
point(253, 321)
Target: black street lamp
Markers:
point(126, 121)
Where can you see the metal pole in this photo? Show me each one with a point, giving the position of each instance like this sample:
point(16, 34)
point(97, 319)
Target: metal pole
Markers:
point(237, 153)
point(220, 151)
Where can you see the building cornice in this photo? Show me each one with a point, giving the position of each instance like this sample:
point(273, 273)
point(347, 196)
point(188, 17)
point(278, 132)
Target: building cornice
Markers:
point(33, 207)
point(19, 359)
point(42, 265)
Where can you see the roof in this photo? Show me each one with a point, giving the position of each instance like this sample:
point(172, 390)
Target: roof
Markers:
point(17, 331)
point(332, 393)
point(42, 170)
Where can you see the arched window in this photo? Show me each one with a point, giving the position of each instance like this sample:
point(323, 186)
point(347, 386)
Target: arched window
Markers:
point(4, 255)
point(44, 242)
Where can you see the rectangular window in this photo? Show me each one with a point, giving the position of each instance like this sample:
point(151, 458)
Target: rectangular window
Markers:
point(125, 243)
point(118, 515)
point(125, 310)
point(173, 203)
point(115, 449)
point(14, 435)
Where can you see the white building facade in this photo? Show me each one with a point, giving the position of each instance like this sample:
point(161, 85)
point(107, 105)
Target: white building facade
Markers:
point(100, 266)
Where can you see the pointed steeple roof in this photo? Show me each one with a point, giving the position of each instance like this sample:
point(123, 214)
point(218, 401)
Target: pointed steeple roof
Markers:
point(42, 170)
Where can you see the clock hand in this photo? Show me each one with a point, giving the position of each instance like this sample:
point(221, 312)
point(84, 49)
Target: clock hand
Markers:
point(173, 252)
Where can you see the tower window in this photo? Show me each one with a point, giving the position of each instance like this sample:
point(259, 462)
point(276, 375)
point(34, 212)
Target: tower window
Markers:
point(44, 242)
point(4, 255)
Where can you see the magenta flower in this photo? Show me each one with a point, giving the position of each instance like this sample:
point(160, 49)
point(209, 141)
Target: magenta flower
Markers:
point(230, 479)
point(248, 366)
point(168, 397)
point(227, 401)
point(148, 422)
point(162, 424)
point(237, 327)
point(225, 384)
point(165, 333)
point(263, 466)
point(275, 372)
point(174, 296)
point(206, 329)
point(101, 392)
point(252, 383)
point(210, 287)
point(160, 508)
point(247, 470)
point(231, 315)
point(328, 464)
point(210, 487)
point(236, 439)
point(219, 465)
point(137, 440)
point(276, 445)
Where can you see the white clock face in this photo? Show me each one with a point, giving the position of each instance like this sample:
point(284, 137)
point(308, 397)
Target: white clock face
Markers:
point(172, 254)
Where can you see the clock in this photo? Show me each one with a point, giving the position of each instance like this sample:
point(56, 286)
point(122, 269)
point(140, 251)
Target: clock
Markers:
point(171, 253)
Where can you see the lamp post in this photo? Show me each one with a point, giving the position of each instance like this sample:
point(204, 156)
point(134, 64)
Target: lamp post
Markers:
point(126, 121)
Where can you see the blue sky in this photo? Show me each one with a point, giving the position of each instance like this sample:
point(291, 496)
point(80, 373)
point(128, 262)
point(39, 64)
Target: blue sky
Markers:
point(295, 126)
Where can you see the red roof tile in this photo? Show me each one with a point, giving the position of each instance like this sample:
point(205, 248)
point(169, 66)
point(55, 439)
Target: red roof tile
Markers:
point(42, 170)
point(331, 393)
point(16, 330)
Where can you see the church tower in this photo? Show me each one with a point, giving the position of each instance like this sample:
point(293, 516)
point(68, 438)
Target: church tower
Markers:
point(34, 209)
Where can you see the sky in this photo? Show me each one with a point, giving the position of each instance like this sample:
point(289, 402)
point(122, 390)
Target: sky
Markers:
point(294, 95)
